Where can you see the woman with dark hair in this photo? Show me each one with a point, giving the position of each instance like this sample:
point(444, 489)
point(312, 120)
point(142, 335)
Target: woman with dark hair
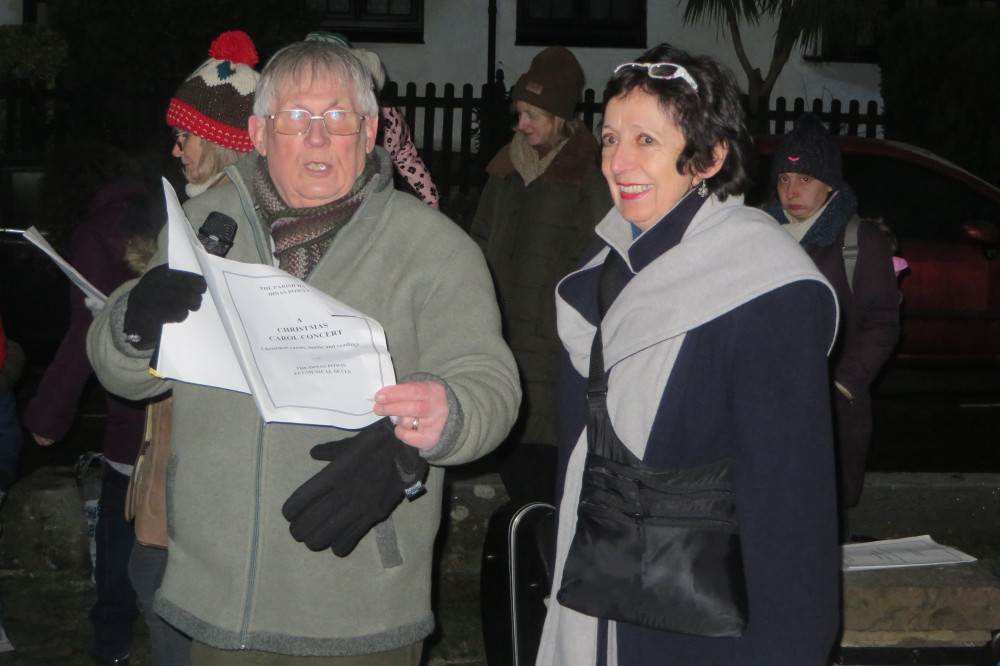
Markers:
point(696, 337)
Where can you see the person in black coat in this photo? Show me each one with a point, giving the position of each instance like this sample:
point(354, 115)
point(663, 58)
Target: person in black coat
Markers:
point(814, 204)
point(715, 354)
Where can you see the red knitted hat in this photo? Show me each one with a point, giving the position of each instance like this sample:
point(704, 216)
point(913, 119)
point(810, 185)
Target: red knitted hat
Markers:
point(216, 101)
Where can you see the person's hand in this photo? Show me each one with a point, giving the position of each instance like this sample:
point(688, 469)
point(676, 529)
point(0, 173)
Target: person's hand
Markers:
point(368, 476)
point(42, 441)
point(420, 408)
point(161, 296)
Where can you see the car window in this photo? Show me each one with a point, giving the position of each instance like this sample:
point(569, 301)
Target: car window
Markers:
point(916, 202)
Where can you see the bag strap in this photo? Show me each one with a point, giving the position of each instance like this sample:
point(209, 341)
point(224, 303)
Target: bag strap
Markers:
point(612, 280)
point(601, 437)
point(850, 250)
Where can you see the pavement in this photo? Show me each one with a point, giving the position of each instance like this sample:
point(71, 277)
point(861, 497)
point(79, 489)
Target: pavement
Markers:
point(47, 591)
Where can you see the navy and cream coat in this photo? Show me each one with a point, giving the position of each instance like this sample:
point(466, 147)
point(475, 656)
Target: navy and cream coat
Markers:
point(716, 348)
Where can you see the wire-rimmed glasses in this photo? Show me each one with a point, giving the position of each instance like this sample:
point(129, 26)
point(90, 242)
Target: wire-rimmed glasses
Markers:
point(298, 121)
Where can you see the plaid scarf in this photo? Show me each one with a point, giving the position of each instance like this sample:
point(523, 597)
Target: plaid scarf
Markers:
point(302, 235)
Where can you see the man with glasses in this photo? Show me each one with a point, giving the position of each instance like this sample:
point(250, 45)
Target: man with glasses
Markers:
point(317, 198)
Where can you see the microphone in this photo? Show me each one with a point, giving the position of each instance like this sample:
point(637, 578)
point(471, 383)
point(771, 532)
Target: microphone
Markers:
point(217, 233)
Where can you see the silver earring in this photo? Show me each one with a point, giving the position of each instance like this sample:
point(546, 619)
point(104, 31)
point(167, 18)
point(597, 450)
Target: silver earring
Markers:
point(703, 190)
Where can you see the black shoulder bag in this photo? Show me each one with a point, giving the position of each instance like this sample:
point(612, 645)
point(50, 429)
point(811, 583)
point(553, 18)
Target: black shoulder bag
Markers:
point(657, 548)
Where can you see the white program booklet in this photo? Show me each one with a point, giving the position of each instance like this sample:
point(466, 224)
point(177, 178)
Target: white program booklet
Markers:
point(304, 356)
point(917, 551)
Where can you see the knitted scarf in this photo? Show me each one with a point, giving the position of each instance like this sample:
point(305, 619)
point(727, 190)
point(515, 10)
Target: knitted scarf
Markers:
point(832, 219)
point(525, 158)
point(302, 235)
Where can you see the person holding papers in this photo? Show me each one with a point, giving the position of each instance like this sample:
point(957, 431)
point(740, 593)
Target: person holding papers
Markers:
point(317, 199)
point(208, 118)
point(89, 206)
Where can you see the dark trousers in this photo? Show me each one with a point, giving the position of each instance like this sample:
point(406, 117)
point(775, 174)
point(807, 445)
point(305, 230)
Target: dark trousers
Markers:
point(115, 610)
point(10, 439)
point(170, 647)
point(853, 428)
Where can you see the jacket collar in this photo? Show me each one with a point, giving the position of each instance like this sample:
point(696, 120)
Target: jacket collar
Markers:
point(569, 167)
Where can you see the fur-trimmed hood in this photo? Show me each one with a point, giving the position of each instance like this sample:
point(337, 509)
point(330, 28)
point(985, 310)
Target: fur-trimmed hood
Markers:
point(831, 222)
point(569, 167)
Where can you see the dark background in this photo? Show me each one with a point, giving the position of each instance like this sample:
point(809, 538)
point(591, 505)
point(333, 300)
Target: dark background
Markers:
point(115, 64)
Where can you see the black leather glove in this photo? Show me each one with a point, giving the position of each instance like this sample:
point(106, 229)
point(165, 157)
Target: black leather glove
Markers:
point(368, 476)
point(161, 296)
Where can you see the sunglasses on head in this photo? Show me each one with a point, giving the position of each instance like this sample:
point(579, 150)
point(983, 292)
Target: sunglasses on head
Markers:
point(662, 70)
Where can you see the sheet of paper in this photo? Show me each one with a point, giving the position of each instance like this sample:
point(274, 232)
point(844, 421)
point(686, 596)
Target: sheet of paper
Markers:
point(303, 355)
point(90, 291)
point(918, 551)
point(196, 350)
point(315, 359)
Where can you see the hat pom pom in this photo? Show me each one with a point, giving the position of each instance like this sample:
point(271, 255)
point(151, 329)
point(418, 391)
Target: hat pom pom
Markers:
point(235, 46)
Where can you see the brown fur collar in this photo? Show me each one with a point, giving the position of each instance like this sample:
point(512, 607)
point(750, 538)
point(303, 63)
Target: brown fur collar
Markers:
point(568, 168)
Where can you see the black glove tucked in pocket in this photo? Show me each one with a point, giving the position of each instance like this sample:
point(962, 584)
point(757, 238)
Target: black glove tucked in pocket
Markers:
point(368, 476)
point(161, 296)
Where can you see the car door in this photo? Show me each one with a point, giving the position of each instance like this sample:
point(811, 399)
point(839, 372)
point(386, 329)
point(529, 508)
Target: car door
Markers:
point(951, 292)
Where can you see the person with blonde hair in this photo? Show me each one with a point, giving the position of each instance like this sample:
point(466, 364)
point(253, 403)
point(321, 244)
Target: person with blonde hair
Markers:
point(208, 115)
point(535, 217)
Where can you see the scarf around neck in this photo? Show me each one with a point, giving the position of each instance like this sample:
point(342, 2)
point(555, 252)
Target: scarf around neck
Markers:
point(302, 235)
point(194, 189)
point(830, 221)
point(525, 158)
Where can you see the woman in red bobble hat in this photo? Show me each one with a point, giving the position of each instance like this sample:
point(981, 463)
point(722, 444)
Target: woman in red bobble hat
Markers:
point(209, 111)
point(208, 115)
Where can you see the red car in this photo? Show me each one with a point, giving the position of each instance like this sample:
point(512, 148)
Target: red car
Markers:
point(948, 224)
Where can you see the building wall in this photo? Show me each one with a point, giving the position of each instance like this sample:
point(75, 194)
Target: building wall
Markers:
point(456, 39)
point(10, 11)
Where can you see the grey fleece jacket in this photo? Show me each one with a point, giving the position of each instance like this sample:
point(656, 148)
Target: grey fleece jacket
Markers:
point(236, 579)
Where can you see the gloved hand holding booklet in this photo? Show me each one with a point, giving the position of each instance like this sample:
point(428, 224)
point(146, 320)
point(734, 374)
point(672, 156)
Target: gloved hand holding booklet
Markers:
point(303, 355)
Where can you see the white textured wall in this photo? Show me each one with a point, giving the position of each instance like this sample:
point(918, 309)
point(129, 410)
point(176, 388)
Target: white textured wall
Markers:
point(455, 36)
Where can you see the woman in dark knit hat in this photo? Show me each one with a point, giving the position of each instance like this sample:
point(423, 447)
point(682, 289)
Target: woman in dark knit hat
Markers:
point(815, 206)
point(536, 215)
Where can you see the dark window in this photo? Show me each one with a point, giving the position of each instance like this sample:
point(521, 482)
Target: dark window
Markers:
point(609, 23)
point(855, 27)
point(375, 20)
point(852, 32)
